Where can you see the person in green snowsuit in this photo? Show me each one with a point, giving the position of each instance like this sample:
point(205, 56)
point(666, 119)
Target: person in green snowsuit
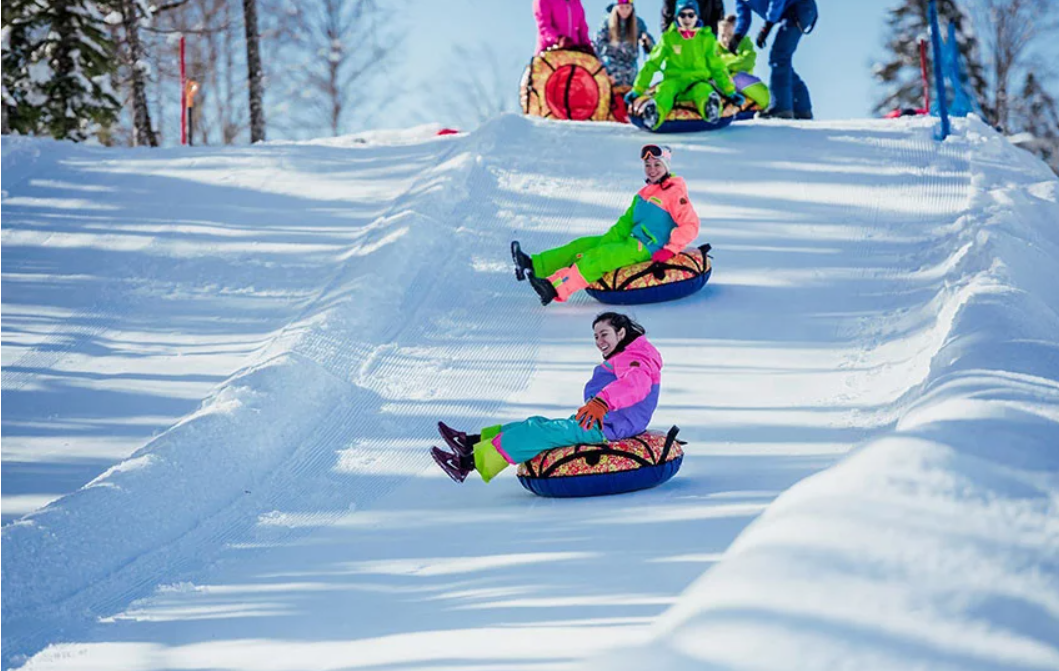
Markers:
point(740, 59)
point(687, 56)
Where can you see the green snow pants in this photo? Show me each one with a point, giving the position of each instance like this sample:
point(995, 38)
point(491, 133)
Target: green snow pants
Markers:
point(681, 89)
point(593, 255)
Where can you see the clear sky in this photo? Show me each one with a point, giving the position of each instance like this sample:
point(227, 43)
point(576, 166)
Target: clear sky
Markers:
point(835, 60)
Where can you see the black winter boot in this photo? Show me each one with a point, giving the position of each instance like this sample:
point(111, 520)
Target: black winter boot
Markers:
point(774, 114)
point(523, 261)
point(543, 288)
point(462, 443)
point(456, 466)
point(649, 114)
point(711, 108)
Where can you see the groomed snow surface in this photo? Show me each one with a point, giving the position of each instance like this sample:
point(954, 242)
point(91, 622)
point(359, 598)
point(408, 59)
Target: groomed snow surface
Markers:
point(222, 368)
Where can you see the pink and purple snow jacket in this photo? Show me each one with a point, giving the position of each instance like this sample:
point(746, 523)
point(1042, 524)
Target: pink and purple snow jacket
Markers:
point(629, 382)
point(559, 18)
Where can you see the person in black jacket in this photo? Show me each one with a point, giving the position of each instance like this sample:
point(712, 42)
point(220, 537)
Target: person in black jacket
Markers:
point(711, 13)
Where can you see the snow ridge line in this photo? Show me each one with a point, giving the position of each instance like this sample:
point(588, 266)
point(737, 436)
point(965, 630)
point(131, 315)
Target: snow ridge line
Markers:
point(116, 576)
point(934, 545)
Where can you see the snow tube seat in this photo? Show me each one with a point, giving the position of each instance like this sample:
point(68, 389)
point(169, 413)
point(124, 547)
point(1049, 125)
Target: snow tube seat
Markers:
point(651, 282)
point(566, 84)
point(617, 467)
point(683, 118)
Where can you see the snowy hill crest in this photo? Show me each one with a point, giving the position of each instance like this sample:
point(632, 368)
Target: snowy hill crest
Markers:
point(873, 289)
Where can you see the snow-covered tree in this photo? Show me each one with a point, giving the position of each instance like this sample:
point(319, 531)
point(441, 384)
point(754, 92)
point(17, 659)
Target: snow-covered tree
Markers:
point(900, 74)
point(134, 14)
point(58, 62)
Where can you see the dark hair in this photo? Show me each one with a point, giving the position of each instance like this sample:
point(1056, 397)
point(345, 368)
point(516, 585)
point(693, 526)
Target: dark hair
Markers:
point(619, 321)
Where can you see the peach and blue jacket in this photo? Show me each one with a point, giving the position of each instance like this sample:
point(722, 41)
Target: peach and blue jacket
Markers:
point(629, 383)
point(660, 216)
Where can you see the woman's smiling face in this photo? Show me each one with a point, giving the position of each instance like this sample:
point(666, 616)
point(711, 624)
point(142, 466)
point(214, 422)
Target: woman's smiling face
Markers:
point(607, 338)
point(654, 168)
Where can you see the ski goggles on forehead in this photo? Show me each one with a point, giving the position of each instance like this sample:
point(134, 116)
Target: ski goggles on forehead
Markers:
point(654, 150)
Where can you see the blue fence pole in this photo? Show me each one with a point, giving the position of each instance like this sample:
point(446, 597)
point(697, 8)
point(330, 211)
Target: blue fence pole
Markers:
point(939, 75)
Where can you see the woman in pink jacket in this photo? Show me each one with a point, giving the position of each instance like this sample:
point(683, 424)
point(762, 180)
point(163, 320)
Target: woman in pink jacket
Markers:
point(561, 24)
point(619, 400)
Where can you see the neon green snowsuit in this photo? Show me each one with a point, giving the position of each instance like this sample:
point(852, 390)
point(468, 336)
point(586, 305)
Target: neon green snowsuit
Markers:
point(742, 60)
point(688, 64)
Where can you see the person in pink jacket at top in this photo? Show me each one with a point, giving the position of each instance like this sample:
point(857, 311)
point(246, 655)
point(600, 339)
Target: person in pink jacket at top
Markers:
point(562, 24)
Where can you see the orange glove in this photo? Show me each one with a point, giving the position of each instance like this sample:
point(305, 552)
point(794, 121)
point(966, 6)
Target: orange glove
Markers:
point(591, 413)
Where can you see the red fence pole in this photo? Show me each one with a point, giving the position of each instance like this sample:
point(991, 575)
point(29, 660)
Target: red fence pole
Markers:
point(183, 97)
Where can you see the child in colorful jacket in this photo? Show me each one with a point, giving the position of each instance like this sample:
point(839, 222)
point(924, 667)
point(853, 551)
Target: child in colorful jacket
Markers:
point(687, 56)
point(561, 24)
point(740, 59)
point(658, 225)
point(619, 400)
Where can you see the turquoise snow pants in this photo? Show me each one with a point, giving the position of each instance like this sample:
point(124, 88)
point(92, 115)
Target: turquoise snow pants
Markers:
point(514, 443)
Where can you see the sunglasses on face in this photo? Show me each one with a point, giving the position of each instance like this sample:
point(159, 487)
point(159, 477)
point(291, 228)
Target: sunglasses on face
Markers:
point(687, 15)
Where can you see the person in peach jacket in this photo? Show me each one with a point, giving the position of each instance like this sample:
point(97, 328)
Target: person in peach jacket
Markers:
point(657, 226)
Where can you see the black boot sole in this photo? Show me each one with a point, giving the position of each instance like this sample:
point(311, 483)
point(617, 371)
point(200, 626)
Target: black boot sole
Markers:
point(545, 290)
point(443, 459)
point(521, 268)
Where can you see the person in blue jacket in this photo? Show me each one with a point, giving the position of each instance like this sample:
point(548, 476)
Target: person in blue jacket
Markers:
point(790, 96)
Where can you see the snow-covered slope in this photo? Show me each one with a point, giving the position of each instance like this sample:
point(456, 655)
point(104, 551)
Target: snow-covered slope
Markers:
point(328, 302)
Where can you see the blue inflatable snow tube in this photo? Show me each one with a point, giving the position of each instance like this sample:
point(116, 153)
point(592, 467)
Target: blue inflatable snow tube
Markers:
point(649, 282)
point(617, 467)
point(683, 125)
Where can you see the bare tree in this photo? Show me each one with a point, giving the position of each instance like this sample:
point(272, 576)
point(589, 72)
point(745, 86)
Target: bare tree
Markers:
point(346, 45)
point(132, 13)
point(255, 75)
point(213, 60)
point(1012, 30)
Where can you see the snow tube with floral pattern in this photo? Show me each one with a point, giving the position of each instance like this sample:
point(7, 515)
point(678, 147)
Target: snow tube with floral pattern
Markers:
point(683, 118)
point(651, 282)
point(617, 467)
